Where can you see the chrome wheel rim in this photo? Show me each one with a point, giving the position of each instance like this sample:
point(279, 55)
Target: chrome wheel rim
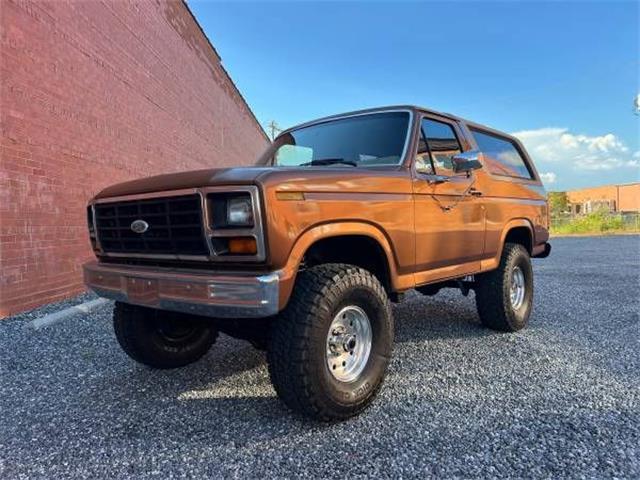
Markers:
point(517, 290)
point(348, 343)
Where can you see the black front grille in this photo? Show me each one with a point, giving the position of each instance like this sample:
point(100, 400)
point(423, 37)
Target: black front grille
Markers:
point(175, 226)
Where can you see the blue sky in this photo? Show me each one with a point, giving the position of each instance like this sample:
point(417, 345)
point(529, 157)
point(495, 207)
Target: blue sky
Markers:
point(561, 75)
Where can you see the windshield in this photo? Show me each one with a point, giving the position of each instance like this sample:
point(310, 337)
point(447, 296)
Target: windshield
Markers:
point(365, 140)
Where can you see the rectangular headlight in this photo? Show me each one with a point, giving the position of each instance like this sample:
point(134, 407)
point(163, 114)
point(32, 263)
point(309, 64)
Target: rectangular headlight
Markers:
point(234, 225)
point(230, 210)
point(239, 211)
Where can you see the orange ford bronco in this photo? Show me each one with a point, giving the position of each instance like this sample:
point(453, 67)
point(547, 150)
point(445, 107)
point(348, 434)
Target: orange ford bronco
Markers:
point(303, 253)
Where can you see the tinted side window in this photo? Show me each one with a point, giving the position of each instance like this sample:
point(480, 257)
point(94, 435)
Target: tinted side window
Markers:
point(501, 155)
point(443, 145)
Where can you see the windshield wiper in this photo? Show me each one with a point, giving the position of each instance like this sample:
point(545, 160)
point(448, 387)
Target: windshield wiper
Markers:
point(328, 161)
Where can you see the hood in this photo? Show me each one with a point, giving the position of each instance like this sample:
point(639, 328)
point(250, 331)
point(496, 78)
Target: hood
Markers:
point(184, 180)
point(320, 179)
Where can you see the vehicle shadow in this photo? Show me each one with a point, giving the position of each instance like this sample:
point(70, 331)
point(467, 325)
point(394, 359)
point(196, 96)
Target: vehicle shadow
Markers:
point(208, 401)
point(230, 385)
point(102, 393)
point(447, 315)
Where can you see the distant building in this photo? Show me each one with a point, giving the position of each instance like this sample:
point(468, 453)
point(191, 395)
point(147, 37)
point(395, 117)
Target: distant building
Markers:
point(614, 198)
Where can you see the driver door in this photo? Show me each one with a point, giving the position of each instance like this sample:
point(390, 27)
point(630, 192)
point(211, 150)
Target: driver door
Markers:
point(449, 213)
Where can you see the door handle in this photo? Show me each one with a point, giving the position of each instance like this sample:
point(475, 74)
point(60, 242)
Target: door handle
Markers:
point(475, 193)
point(437, 179)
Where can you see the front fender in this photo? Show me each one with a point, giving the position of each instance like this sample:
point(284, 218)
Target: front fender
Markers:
point(319, 232)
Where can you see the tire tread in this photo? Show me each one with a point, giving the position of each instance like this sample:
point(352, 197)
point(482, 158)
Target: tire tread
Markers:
point(127, 317)
point(492, 292)
point(291, 333)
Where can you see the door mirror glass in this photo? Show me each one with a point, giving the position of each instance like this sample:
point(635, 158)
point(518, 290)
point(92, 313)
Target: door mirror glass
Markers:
point(466, 162)
point(293, 155)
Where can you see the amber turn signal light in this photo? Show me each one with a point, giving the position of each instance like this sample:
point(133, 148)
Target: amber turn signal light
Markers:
point(243, 246)
point(290, 195)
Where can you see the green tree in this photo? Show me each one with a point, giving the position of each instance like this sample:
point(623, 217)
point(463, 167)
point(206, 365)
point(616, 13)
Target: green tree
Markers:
point(558, 202)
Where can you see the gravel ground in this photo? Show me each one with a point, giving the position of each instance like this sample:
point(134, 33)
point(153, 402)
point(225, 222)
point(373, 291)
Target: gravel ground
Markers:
point(561, 399)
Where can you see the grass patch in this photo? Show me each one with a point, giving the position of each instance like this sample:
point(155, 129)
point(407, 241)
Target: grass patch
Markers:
point(595, 223)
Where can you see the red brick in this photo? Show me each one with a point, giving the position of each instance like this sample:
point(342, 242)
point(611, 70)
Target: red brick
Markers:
point(95, 93)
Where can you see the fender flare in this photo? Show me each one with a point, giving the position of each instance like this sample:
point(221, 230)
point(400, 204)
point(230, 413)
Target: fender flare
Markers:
point(335, 229)
point(515, 223)
point(491, 263)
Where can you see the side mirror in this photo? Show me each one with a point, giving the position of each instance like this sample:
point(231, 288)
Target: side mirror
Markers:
point(466, 162)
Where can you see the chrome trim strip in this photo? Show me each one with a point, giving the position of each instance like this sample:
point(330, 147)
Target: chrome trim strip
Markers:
point(407, 140)
point(158, 256)
point(206, 224)
point(95, 227)
point(144, 196)
point(213, 295)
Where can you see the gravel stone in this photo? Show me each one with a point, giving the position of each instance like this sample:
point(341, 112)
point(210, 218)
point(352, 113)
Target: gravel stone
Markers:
point(560, 399)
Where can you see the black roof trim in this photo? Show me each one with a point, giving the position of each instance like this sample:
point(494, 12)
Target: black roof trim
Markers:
point(348, 114)
point(412, 108)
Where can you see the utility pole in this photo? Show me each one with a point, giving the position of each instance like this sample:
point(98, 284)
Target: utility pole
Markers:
point(274, 128)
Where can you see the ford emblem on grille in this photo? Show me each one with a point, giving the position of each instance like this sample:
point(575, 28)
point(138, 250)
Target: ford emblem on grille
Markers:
point(139, 226)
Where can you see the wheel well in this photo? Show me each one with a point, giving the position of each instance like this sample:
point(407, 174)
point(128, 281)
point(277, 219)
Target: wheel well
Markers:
point(359, 250)
point(521, 235)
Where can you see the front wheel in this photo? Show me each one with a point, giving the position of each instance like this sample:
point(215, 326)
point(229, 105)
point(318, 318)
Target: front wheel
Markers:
point(329, 349)
point(162, 339)
point(504, 296)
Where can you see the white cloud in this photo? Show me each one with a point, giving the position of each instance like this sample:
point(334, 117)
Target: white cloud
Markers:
point(582, 152)
point(548, 177)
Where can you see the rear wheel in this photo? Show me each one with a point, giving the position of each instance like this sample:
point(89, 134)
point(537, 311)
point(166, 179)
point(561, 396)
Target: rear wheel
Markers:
point(162, 339)
point(329, 349)
point(504, 296)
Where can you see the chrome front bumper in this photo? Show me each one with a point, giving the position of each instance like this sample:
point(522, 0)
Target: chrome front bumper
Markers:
point(212, 295)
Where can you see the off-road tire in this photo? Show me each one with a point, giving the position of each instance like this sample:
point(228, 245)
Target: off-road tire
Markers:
point(493, 292)
point(143, 335)
point(298, 342)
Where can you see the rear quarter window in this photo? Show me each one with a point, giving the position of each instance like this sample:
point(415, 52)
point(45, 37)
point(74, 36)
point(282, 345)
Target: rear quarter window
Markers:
point(502, 156)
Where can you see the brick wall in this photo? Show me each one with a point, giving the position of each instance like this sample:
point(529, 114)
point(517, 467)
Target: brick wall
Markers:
point(94, 93)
